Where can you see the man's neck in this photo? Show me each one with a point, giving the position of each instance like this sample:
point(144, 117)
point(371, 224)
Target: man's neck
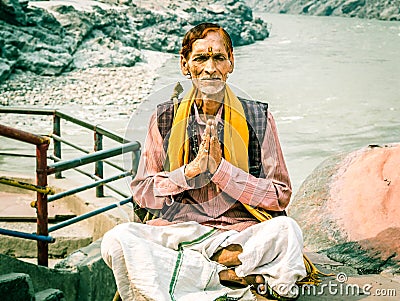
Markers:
point(209, 104)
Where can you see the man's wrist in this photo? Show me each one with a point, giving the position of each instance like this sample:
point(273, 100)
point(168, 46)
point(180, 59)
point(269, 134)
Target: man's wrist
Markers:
point(212, 173)
point(185, 172)
point(222, 171)
point(178, 178)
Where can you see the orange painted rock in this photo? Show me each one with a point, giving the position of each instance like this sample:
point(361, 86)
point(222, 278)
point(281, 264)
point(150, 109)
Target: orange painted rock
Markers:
point(350, 208)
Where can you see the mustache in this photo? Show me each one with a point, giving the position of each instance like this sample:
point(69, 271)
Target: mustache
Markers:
point(210, 78)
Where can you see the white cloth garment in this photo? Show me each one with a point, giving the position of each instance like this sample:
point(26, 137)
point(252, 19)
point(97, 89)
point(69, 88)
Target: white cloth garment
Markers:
point(172, 262)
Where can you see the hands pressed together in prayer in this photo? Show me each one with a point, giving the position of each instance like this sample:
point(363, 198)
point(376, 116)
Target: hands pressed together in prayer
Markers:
point(209, 155)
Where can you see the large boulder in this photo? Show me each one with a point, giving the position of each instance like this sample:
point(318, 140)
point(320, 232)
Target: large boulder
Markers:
point(38, 44)
point(349, 208)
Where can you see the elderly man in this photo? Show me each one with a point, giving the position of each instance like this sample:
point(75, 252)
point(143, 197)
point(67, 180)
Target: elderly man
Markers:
point(212, 166)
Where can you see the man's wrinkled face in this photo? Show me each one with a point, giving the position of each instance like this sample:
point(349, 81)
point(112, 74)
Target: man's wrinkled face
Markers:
point(208, 64)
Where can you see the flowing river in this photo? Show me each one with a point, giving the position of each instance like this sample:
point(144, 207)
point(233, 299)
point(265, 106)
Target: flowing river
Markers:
point(333, 85)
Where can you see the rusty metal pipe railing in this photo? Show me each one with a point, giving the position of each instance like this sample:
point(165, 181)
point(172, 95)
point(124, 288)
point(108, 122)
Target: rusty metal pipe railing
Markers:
point(17, 155)
point(23, 136)
point(73, 145)
point(57, 144)
point(86, 187)
point(19, 234)
point(98, 166)
point(42, 144)
point(90, 158)
point(65, 116)
point(41, 208)
point(66, 142)
point(95, 128)
point(94, 177)
point(43, 170)
point(27, 186)
point(29, 111)
point(89, 214)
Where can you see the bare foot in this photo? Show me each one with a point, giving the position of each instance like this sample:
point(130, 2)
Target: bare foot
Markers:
point(229, 278)
point(254, 280)
point(228, 256)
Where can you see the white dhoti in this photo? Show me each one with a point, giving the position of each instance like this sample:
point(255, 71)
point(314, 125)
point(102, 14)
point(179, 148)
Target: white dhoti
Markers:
point(173, 262)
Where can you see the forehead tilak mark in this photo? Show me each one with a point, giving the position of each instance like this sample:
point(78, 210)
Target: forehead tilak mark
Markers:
point(210, 51)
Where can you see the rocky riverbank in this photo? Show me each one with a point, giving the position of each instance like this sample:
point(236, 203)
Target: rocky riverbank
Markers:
point(388, 10)
point(53, 37)
point(96, 94)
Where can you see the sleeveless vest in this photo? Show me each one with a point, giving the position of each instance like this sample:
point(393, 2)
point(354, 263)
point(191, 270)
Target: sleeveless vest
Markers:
point(256, 117)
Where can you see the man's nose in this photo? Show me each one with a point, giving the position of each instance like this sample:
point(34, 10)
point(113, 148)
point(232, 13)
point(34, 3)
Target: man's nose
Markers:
point(210, 66)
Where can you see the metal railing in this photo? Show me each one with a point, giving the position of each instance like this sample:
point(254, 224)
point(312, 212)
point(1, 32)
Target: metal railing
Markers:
point(43, 170)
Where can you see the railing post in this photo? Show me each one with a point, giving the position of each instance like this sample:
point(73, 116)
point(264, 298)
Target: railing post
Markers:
point(41, 204)
point(57, 144)
point(98, 169)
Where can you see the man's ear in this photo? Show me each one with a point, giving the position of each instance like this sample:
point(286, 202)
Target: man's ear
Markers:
point(232, 61)
point(184, 65)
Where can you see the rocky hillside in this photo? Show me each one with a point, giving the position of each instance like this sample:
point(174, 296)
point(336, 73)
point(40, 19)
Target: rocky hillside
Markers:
point(373, 9)
point(51, 37)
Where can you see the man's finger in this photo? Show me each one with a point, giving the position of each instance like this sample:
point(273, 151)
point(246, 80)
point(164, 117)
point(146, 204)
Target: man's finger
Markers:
point(205, 145)
point(214, 131)
point(207, 130)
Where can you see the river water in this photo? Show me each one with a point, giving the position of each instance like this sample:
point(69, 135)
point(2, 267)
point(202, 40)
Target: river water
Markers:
point(333, 85)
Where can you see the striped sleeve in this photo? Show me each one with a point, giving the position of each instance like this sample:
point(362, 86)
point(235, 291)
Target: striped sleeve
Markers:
point(272, 192)
point(153, 186)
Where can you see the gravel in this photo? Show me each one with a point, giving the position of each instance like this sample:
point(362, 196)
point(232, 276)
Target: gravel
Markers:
point(94, 94)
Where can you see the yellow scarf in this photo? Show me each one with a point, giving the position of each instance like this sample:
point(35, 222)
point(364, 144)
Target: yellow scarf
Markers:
point(236, 133)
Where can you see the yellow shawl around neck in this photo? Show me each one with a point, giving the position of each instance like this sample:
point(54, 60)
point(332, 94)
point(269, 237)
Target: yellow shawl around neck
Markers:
point(236, 133)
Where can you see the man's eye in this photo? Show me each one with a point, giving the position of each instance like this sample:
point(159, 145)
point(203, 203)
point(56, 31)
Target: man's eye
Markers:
point(200, 59)
point(220, 58)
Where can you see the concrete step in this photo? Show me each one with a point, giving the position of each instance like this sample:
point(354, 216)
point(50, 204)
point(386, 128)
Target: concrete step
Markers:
point(16, 207)
point(16, 287)
point(50, 294)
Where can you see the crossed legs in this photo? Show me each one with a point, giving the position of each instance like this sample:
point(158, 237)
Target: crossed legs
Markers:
point(270, 252)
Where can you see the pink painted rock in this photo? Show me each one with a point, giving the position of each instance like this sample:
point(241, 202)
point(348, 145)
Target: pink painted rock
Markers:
point(350, 207)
